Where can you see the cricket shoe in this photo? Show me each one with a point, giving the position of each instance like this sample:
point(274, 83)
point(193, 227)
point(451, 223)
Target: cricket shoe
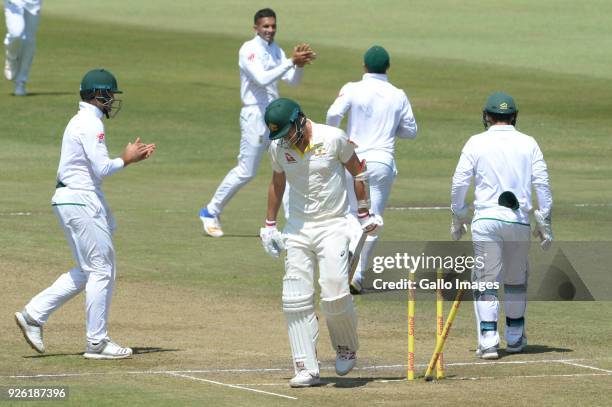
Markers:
point(487, 353)
point(517, 346)
point(345, 361)
point(32, 332)
point(212, 224)
point(305, 378)
point(10, 67)
point(20, 89)
point(106, 349)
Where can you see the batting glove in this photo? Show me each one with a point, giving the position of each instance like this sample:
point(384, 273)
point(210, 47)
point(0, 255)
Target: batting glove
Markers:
point(543, 229)
point(370, 222)
point(272, 239)
point(459, 222)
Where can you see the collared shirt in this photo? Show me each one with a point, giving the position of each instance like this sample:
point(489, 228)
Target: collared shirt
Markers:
point(33, 6)
point(316, 177)
point(379, 112)
point(501, 159)
point(84, 160)
point(261, 66)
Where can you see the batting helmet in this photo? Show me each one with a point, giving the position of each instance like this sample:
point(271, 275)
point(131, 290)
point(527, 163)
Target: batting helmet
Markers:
point(500, 103)
point(500, 107)
point(98, 79)
point(280, 115)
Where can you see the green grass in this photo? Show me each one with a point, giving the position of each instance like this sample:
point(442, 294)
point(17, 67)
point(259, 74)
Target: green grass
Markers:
point(216, 303)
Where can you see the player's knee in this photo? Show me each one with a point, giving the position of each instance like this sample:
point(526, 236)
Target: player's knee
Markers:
point(298, 295)
point(334, 286)
point(337, 305)
point(486, 295)
point(244, 175)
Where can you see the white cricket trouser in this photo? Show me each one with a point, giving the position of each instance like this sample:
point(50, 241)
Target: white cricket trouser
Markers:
point(253, 143)
point(88, 225)
point(324, 245)
point(20, 39)
point(504, 246)
point(380, 178)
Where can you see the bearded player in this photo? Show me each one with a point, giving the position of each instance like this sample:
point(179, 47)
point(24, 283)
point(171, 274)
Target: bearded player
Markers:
point(312, 159)
point(87, 220)
point(505, 164)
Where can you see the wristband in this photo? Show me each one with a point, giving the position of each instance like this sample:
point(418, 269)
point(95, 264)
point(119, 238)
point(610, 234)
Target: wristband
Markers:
point(270, 223)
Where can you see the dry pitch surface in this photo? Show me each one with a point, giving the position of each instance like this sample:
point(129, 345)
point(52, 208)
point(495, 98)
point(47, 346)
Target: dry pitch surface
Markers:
point(204, 315)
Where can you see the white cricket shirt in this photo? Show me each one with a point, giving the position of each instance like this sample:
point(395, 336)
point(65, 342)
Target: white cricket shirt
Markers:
point(501, 159)
point(261, 66)
point(379, 112)
point(316, 178)
point(84, 160)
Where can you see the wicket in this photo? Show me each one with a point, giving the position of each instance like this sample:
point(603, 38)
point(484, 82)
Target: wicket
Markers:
point(440, 328)
point(438, 351)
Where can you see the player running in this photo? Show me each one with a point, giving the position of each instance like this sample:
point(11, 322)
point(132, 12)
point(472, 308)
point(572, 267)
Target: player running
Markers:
point(312, 159)
point(505, 164)
point(262, 64)
point(378, 113)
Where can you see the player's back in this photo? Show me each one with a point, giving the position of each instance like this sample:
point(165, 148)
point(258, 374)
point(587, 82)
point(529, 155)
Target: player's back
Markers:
point(375, 113)
point(503, 159)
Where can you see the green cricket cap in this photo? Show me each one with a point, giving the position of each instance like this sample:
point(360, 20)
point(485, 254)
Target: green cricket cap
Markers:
point(280, 115)
point(99, 79)
point(377, 59)
point(500, 103)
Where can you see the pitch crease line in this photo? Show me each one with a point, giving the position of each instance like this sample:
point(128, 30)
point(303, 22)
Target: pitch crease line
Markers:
point(586, 366)
point(263, 370)
point(233, 386)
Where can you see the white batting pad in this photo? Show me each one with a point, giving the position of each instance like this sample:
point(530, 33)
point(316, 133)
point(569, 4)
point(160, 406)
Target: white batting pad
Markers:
point(341, 322)
point(298, 306)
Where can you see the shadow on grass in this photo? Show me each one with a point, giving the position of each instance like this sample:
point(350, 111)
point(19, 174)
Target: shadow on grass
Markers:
point(352, 382)
point(532, 350)
point(136, 350)
point(535, 349)
point(142, 351)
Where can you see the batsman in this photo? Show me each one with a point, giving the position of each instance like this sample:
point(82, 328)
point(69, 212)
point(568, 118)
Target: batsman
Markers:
point(311, 158)
point(505, 164)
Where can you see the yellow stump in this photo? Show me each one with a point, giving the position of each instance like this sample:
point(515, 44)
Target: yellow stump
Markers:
point(410, 374)
point(440, 345)
point(439, 322)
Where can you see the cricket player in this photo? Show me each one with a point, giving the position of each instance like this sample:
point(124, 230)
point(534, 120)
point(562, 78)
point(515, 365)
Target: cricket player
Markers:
point(22, 18)
point(378, 113)
point(262, 64)
point(87, 221)
point(311, 158)
point(505, 164)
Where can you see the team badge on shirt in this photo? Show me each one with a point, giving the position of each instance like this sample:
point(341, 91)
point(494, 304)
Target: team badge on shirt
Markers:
point(101, 138)
point(290, 159)
point(251, 57)
point(319, 150)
